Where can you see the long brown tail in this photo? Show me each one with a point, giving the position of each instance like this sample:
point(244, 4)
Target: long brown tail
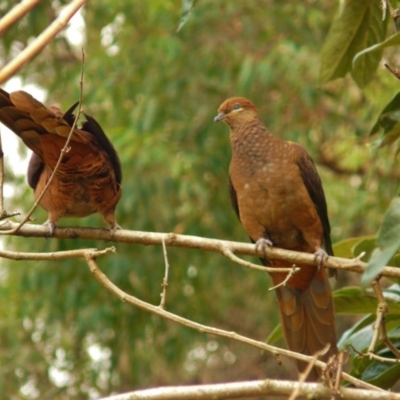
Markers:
point(308, 320)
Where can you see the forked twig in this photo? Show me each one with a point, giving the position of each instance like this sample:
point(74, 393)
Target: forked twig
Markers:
point(393, 71)
point(379, 329)
point(304, 375)
point(292, 272)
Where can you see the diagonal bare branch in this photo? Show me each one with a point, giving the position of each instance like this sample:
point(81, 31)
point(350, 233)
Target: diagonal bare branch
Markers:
point(41, 41)
point(125, 297)
point(16, 13)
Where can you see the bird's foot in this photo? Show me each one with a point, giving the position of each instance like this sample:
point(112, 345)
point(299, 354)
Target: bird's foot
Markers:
point(114, 228)
point(320, 256)
point(262, 244)
point(51, 225)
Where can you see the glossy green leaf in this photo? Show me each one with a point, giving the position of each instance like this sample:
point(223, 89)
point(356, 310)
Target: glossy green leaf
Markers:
point(393, 40)
point(383, 375)
point(389, 121)
point(388, 241)
point(365, 67)
point(366, 246)
point(353, 300)
point(346, 247)
point(345, 339)
point(357, 26)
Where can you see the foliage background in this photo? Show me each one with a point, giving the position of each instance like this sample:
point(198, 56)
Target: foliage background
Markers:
point(155, 92)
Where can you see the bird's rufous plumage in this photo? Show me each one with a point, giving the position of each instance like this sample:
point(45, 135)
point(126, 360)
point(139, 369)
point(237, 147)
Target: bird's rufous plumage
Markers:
point(88, 179)
point(278, 196)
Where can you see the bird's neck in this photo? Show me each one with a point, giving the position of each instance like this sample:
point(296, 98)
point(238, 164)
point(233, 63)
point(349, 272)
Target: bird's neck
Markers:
point(253, 139)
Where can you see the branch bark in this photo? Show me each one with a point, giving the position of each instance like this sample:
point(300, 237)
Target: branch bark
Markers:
point(41, 41)
point(125, 297)
point(191, 242)
point(16, 13)
point(257, 389)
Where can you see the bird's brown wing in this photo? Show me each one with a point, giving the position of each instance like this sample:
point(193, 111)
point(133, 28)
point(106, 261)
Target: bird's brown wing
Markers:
point(233, 197)
point(93, 127)
point(313, 184)
point(89, 177)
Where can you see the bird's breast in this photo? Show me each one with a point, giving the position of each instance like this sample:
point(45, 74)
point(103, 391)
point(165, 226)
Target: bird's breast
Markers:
point(272, 200)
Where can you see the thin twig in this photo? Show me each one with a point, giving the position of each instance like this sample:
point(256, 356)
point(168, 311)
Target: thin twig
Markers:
point(394, 13)
point(304, 375)
point(293, 271)
point(380, 325)
point(63, 151)
point(165, 279)
point(123, 296)
point(16, 13)
point(374, 356)
point(41, 41)
point(394, 71)
point(226, 251)
point(190, 242)
point(381, 310)
point(379, 328)
point(385, 339)
point(339, 363)
point(384, 7)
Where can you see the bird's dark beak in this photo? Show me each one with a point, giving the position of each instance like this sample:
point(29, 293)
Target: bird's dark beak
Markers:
point(220, 117)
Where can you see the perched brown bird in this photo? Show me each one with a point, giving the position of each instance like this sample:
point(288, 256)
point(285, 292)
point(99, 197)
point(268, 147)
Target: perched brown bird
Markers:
point(278, 196)
point(88, 179)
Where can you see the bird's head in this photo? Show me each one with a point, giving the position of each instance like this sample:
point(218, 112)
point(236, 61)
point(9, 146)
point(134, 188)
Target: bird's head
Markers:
point(236, 111)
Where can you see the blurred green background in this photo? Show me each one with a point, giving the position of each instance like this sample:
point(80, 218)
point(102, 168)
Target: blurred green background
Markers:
point(156, 92)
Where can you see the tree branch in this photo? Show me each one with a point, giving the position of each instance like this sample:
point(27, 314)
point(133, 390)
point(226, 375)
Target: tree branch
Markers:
point(41, 41)
point(16, 13)
point(234, 390)
point(191, 242)
point(125, 297)
point(57, 255)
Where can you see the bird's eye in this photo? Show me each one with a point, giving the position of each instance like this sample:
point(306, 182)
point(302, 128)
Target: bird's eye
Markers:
point(236, 107)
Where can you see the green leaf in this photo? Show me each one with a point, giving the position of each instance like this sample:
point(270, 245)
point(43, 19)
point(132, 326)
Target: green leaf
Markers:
point(358, 26)
point(353, 300)
point(393, 40)
point(187, 6)
point(388, 242)
point(344, 35)
point(275, 335)
point(389, 121)
point(346, 337)
point(364, 69)
point(366, 246)
point(346, 248)
point(358, 342)
point(381, 374)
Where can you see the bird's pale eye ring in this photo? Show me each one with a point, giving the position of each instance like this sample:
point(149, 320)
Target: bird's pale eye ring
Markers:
point(236, 107)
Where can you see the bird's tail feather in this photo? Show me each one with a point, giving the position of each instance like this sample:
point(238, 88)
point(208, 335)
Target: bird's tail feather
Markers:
point(308, 319)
